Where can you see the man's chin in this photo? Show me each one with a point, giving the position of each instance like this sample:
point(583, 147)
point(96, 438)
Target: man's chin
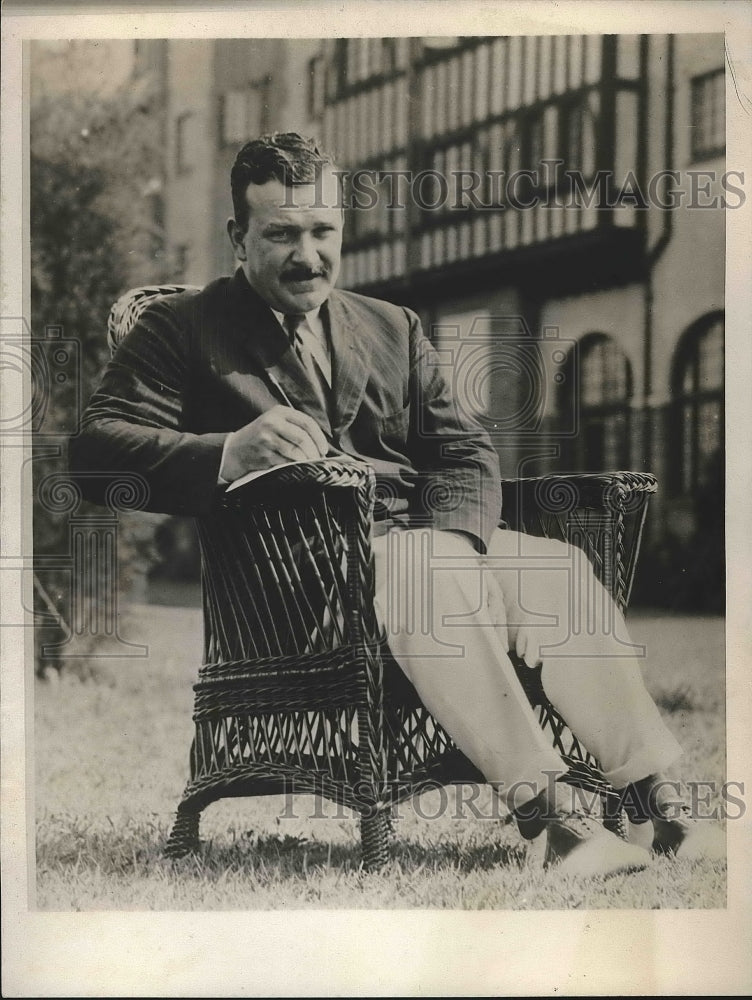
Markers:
point(304, 299)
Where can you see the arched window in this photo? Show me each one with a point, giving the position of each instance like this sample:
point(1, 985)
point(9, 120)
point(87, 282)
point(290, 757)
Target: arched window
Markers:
point(698, 393)
point(600, 387)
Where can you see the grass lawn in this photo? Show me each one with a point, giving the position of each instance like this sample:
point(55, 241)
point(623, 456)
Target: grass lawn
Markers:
point(111, 759)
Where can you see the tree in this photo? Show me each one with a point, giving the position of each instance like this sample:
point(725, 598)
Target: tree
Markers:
point(94, 233)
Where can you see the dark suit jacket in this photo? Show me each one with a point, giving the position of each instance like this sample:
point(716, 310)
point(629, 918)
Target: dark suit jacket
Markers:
point(198, 365)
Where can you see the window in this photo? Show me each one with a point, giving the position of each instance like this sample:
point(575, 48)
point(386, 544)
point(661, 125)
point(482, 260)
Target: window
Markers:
point(578, 132)
point(317, 89)
point(698, 391)
point(571, 135)
point(185, 148)
point(708, 115)
point(242, 113)
point(602, 390)
point(534, 145)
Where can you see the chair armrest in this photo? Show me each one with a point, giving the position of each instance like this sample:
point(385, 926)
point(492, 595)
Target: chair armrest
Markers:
point(557, 492)
point(604, 513)
point(297, 479)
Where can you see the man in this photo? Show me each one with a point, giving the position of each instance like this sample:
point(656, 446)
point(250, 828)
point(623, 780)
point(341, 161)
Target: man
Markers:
point(276, 365)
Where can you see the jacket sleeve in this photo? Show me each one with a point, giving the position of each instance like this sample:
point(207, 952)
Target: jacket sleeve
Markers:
point(460, 479)
point(135, 423)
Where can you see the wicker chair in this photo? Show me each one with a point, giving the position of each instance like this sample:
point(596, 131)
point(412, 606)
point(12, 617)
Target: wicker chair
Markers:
point(298, 692)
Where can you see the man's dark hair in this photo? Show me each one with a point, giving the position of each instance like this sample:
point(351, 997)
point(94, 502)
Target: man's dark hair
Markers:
point(283, 156)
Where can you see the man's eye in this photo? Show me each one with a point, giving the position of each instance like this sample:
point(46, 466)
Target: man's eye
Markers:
point(280, 235)
point(321, 232)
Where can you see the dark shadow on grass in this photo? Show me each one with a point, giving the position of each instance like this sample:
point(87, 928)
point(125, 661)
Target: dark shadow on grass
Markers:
point(283, 855)
point(460, 857)
point(122, 852)
point(288, 856)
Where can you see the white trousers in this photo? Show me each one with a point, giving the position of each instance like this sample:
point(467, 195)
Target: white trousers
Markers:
point(451, 615)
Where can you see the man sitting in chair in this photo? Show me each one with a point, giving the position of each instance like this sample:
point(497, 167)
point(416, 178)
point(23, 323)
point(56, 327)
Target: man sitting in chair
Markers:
point(275, 364)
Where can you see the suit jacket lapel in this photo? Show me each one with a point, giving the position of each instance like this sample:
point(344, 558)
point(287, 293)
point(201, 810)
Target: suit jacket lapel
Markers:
point(263, 339)
point(351, 355)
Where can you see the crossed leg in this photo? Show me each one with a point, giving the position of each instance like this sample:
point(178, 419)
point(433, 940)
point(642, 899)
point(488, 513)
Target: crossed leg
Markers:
point(451, 616)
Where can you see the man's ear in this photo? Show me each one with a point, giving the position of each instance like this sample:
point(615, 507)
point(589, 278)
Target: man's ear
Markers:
point(236, 235)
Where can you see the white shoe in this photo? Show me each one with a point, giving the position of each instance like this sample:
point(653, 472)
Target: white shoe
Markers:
point(684, 836)
point(577, 844)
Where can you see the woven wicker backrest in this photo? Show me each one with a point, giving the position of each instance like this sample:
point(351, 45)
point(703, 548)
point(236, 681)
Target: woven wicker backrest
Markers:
point(131, 304)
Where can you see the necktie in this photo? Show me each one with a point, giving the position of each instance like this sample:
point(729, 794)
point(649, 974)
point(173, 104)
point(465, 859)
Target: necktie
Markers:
point(315, 376)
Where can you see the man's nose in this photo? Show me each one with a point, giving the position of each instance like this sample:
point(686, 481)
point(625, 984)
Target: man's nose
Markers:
point(305, 252)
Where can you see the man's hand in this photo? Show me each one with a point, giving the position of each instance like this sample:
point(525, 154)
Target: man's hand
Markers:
point(282, 434)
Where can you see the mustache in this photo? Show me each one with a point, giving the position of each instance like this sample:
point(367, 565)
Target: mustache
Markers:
point(303, 274)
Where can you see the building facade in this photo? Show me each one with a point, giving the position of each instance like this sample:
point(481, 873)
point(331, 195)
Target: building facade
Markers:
point(552, 207)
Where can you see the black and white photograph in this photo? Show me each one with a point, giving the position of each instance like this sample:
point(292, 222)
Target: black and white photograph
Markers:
point(375, 467)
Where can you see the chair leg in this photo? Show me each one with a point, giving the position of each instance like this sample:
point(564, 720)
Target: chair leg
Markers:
point(391, 824)
point(374, 836)
point(184, 836)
